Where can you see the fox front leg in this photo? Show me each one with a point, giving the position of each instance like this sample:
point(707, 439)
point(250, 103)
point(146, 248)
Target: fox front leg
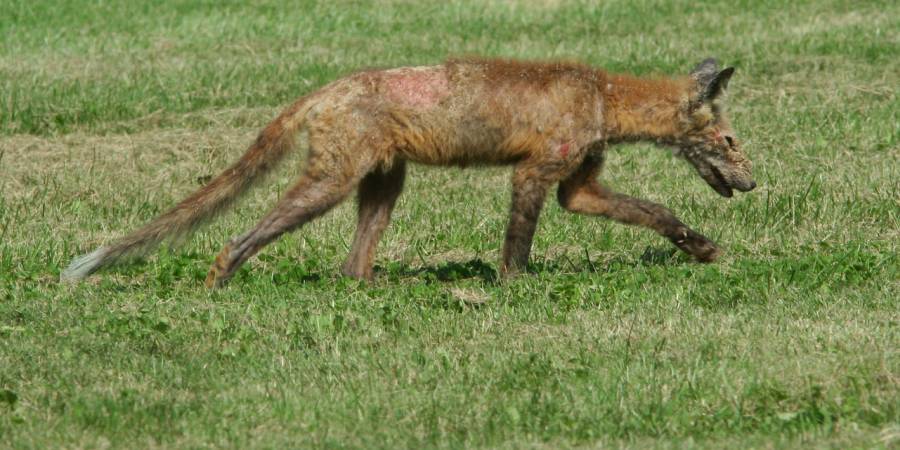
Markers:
point(581, 193)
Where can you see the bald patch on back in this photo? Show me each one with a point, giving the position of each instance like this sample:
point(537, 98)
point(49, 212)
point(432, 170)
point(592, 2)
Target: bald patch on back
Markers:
point(416, 88)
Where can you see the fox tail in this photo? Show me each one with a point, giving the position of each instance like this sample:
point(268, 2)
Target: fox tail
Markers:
point(273, 143)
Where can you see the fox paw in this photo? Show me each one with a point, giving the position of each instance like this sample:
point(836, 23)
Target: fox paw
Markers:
point(218, 272)
point(697, 245)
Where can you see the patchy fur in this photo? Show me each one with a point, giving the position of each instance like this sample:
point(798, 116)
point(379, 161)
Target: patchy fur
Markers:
point(552, 121)
point(416, 88)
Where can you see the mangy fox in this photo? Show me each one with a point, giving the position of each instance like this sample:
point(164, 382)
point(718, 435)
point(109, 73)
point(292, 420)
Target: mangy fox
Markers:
point(551, 121)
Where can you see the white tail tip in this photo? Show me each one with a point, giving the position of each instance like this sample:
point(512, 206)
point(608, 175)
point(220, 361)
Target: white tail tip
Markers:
point(83, 265)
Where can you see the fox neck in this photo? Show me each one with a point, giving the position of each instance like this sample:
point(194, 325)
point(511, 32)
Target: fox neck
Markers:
point(637, 109)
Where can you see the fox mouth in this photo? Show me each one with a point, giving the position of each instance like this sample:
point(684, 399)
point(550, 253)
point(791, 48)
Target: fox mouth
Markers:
point(719, 185)
point(713, 177)
point(724, 185)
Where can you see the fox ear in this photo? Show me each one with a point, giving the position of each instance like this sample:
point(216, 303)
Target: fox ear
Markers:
point(707, 67)
point(710, 80)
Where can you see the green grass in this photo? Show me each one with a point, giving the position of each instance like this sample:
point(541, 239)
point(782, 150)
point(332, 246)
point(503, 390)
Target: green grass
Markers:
point(112, 111)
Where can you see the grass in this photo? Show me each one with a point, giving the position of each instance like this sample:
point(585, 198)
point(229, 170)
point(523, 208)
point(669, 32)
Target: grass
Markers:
point(112, 111)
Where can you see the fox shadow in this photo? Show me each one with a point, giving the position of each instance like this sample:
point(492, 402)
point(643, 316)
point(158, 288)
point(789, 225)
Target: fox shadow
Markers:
point(194, 266)
point(443, 272)
point(487, 273)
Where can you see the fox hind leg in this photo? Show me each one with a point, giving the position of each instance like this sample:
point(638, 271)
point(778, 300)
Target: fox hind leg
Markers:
point(307, 199)
point(330, 176)
point(344, 146)
point(378, 192)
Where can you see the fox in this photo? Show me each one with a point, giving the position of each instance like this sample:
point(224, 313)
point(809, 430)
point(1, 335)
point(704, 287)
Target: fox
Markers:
point(552, 121)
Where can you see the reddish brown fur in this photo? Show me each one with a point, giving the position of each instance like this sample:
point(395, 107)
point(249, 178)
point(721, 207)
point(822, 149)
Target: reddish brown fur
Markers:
point(641, 109)
point(532, 73)
point(553, 121)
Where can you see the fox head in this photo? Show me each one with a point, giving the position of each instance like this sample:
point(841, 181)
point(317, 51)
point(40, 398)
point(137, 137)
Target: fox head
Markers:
point(705, 137)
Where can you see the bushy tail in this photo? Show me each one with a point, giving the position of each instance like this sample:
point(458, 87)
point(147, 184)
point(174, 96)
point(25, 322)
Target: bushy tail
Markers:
point(273, 143)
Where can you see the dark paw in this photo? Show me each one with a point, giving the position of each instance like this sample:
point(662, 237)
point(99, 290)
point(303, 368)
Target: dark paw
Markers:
point(697, 245)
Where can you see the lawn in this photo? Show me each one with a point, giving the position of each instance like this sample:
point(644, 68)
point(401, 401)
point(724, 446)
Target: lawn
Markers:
point(111, 111)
